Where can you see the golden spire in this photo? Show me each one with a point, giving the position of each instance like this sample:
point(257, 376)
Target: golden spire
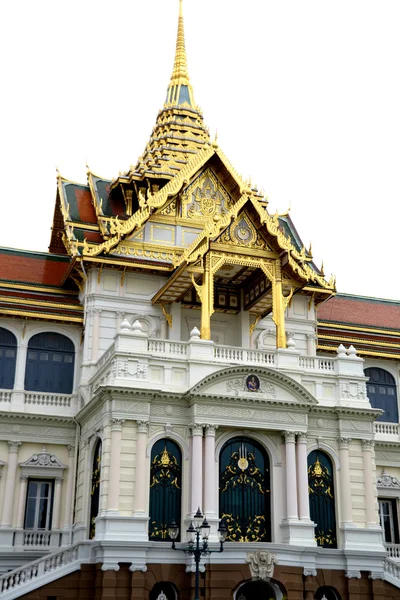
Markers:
point(180, 90)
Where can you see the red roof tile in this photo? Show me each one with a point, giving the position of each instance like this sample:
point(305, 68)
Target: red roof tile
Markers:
point(32, 268)
point(361, 311)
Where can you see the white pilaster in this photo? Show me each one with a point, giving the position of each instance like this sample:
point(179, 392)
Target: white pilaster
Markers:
point(57, 503)
point(344, 477)
point(291, 478)
point(69, 488)
point(21, 501)
point(9, 488)
point(140, 477)
point(95, 334)
point(197, 467)
point(210, 493)
point(115, 465)
point(302, 477)
point(370, 511)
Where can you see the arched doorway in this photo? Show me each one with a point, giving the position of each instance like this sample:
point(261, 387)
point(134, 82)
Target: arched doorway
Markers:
point(322, 498)
point(165, 488)
point(163, 590)
point(95, 489)
point(244, 491)
point(258, 590)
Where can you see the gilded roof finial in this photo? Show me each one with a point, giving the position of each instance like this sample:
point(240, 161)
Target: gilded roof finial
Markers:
point(180, 90)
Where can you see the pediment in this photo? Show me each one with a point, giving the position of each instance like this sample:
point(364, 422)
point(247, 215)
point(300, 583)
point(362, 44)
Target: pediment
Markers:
point(243, 232)
point(250, 384)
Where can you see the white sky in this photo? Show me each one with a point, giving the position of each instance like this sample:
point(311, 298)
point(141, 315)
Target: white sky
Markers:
point(305, 96)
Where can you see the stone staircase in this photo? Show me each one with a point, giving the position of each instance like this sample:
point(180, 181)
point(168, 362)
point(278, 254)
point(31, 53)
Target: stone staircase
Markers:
point(44, 570)
point(38, 573)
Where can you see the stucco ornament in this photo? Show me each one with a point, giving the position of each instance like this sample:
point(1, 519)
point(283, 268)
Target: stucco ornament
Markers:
point(262, 564)
point(161, 596)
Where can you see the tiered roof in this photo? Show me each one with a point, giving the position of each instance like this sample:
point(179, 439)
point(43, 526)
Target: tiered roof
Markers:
point(38, 285)
point(372, 325)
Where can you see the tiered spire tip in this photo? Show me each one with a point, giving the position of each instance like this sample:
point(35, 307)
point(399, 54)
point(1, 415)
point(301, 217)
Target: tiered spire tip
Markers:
point(180, 90)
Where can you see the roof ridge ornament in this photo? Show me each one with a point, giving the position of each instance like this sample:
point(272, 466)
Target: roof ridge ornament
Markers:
point(180, 90)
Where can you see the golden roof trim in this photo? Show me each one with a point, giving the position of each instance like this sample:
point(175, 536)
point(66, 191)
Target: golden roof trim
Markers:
point(365, 352)
point(40, 315)
point(355, 328)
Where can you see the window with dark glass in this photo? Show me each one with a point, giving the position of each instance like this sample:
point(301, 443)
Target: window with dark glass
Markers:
point(256, 590)
point(244, 491)
point(388, 519)
point(322, 498)
point(163, 590)
point(50, 364)
point(165, 488)
point(382, 393)
point(8, 357)
point(95, 489)
point(39, 502)
point(327, 592)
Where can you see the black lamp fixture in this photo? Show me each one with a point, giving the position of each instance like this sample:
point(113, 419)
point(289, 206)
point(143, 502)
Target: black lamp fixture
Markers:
point(197, 548)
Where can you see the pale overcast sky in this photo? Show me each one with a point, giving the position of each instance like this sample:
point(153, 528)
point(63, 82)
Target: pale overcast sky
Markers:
point(305, 96)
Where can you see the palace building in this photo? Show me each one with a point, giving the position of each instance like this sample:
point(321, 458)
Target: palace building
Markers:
point(178, 348)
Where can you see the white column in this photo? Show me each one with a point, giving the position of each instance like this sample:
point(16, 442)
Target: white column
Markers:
point(57, 503)
point(70, 488)
point(371, 515)
point(291, 479)
point(22, 501)
point(311, 344)
point(302, 477)
point(115, 465)
point(9, 487)
point(210, 493)
point(345, 489)
point(95, 334)
point(20, 366)
point(140, 472)
point(197, 467)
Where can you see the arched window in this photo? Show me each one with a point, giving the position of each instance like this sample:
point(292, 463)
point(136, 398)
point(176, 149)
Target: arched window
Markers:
point(322, 498)
point(8, 357)
point(257, 590)
point(244, 492)
point(95, 489)
point(163, 590)
point(165, 488)
point(50, 364)
point(327, 593)
point(381, 390)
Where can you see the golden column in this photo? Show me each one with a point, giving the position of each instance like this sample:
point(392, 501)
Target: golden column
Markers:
point(278, 306)
point(205, 292)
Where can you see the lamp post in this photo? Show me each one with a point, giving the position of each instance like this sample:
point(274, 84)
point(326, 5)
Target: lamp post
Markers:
point(197, 548)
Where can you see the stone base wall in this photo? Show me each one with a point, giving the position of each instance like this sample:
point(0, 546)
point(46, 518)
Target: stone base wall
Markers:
point(219, 582)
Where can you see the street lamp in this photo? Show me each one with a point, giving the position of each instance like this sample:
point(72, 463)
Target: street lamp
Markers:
point(196, 548)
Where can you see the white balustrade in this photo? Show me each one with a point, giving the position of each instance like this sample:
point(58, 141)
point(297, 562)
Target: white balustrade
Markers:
point(37, 573)
point(386, 428)
point(5, 396)
point(168, 348)
point(238, 355)
point(393, 551)
point(37, 538)
point(391, 570)
point(43, 399)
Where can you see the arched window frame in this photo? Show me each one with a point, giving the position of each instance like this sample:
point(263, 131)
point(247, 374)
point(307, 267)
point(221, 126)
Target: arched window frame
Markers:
point(253, 439)
point(66, 388)
point(8, 364)
point(92, 456)
point(386, 417)
point(334, 460)
point(177, 484)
